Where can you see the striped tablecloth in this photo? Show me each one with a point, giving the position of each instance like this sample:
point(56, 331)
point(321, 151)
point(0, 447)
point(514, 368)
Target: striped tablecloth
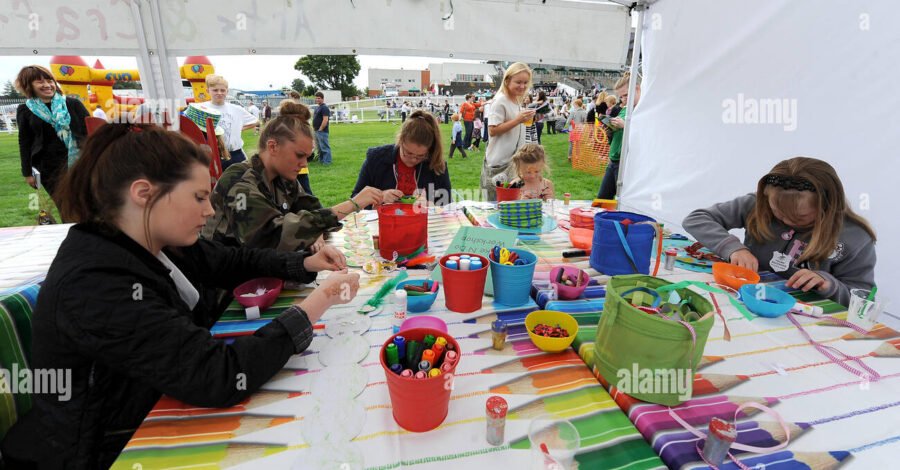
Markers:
point(26, 254)
point(266, 431)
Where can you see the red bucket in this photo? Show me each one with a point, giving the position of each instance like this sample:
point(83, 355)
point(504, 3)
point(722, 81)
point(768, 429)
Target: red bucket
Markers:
point(404, 233)
point(419, 405)
point(507, 194)
point(463, 290)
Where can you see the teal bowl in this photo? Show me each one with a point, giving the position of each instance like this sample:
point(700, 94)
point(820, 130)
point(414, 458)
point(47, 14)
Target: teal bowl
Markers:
point(419, 303)
point(766, 301)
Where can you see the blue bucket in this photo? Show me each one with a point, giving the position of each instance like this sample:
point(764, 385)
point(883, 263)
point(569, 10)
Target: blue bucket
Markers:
point(608, 255)
point(512, 284)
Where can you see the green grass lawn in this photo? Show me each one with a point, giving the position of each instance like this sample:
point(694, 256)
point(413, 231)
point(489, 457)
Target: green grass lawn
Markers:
point(332, 184)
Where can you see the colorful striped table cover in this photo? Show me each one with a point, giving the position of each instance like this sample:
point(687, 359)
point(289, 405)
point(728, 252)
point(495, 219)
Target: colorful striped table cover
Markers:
point(836, 418)
point(266, 430)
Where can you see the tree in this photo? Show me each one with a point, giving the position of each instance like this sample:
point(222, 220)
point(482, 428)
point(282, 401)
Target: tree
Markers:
point(9, 91)
point(298, 84)
point(310, 90)
point(331, 72)
point(127, 85)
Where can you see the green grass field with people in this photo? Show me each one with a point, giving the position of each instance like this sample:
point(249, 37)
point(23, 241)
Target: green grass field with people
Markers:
point(331, 184)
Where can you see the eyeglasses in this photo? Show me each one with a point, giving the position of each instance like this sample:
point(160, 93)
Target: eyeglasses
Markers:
point(413, 156)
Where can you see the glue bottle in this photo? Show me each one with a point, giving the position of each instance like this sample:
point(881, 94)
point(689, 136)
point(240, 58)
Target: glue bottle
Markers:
point(399, 309)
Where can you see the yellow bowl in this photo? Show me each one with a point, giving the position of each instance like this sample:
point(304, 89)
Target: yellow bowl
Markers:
point(552, 318)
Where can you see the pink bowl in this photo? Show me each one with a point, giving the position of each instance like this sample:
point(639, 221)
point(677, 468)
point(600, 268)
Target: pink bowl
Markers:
point(569, 292)
point(272, 286)
point(424, 321)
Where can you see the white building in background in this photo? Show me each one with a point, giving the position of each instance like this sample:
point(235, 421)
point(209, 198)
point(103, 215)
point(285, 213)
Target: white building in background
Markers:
point(443, 74)
point(406, 81)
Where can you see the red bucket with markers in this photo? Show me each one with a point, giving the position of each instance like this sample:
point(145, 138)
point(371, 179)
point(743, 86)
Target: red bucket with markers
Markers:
point(402, 228)
point(463, 290)
point(420, 405)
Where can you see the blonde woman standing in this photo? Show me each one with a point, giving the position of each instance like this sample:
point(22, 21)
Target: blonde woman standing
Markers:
point(506, 129)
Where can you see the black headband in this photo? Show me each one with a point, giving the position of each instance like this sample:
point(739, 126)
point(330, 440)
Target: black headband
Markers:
point(789, 182)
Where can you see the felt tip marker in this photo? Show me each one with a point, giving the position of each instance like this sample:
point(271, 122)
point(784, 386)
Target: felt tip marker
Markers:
point(441, 340)
point(438, 352)
point(401, 346)
point(406, 373)
point(424, 366)
point(434, 372)
point(428, 355)
point(421, 375)
point(396, 368)
point(392, 355)
point(411, 352)
point(446, 367)
point(451, 357)
point(429, 341)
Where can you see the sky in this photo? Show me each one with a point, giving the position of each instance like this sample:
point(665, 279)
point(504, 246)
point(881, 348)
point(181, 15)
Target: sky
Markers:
point(242, 72)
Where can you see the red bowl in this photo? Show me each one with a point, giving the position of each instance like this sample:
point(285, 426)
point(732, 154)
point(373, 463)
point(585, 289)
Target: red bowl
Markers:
point(272, 286)
point(569, 292)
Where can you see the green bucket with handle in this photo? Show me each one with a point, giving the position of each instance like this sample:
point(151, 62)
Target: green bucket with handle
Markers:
point(651, 356)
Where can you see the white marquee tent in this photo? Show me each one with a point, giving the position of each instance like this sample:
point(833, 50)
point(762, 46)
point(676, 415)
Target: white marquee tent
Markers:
point(823, 71)
point(823, 75)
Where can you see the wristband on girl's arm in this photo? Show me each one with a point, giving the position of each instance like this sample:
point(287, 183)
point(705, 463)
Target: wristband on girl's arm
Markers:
point(355, 205)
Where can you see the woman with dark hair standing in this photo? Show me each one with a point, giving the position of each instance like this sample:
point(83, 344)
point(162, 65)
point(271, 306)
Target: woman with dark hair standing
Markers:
point(129, 299)
point(414, 166)
point(51, 126)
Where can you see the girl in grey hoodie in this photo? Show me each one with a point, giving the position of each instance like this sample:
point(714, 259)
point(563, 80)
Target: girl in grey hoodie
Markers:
point(799, 225)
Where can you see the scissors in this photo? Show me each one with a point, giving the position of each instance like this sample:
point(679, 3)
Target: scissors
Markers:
point(504, 257)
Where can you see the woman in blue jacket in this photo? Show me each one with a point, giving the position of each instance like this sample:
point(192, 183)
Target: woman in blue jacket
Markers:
point(414, 166)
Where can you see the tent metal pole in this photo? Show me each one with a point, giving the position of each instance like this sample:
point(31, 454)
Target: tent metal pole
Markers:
point(147, 77)
point(632, 83)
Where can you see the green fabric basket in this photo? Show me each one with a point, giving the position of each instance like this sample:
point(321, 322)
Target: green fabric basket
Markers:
point(632, 347)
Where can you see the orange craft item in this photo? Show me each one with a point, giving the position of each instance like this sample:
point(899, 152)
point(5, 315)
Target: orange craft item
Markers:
point(733, 275)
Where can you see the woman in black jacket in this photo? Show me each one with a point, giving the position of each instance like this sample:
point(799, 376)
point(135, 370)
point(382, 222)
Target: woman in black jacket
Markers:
point(51, 126)
point(413, 166)
point(129, 299)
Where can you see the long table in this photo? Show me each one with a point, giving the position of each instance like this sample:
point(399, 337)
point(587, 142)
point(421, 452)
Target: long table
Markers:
point(268, 429)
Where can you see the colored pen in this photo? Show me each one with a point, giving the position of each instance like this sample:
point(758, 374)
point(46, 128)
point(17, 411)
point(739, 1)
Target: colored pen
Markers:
point(396, 368)
point(392, 356)
point(451, 357)
point(446, 367)
point(449, 347)
point(418, 356)
point(424, 366)
point(434, 372)
point(401, 346)
point(428, 355)
point(421, 375)
point(411, 353)
point(429, 341)
point(406, 373)
point(441, 340)
point(438, 352)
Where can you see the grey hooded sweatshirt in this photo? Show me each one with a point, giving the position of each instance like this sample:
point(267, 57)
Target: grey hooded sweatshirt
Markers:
point(851, 265)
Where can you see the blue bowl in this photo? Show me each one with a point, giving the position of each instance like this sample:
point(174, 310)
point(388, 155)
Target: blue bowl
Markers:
point(766, 301)
point(419, 303)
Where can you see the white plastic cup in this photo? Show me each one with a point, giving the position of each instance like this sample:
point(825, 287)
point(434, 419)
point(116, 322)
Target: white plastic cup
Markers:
point(561, 438)
point(862, 312)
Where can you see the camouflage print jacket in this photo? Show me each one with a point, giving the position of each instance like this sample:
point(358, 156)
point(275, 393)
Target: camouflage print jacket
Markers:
point(247, 213)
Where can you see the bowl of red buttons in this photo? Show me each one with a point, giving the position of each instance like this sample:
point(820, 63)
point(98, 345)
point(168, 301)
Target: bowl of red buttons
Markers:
point(260, 292)
point(551, 331)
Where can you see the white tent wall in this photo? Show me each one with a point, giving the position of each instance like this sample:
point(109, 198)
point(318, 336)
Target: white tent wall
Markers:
point(477, 29)
point(832, 65)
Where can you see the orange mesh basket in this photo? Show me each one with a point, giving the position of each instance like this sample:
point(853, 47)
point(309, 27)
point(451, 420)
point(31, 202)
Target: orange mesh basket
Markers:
point(590, 148)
